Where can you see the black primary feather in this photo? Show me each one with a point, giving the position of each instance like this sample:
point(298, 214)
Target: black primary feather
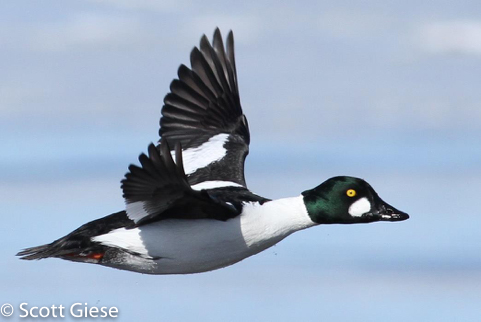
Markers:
point(204, 102)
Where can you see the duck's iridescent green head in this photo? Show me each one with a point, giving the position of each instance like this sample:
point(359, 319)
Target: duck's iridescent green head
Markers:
point(348, 200)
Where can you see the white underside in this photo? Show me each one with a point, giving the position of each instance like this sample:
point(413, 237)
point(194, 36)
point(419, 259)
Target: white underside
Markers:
point(189, 246)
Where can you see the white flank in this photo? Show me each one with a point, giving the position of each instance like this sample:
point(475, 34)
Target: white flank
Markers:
point(214, 184)
point(360, 207)
point(264, 225)
point(190, 246)
point(136, 211)
point(211, 151)
point(128, 239)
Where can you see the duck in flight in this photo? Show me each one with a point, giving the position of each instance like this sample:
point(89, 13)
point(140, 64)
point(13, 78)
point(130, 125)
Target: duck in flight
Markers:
point(188, 209)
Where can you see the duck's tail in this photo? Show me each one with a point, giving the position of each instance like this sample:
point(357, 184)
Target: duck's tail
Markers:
point(78, 245)
point(75, 250)
point(76, 254)
point(38, 252)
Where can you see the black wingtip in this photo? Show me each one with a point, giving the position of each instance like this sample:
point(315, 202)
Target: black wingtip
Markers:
point(195, 55)
point(205, 101)
point(230, 36)
point(204, 41)
point(153, 152)
point(164, 148)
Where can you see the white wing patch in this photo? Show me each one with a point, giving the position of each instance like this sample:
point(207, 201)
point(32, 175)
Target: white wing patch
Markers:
point(135, 211)
point(211, 151)
point(360, 207)
point(128, 239)
point(215, 184)
point(194, 158)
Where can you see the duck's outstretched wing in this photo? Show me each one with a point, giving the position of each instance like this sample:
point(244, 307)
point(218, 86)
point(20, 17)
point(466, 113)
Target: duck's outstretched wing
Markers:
point(159, 190)
point(203, 113)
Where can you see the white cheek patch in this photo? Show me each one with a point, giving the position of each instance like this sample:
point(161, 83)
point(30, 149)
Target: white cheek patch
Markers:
point(360, 207)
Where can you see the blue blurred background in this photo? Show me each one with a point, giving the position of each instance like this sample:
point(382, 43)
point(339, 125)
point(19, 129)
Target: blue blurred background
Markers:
point(384, 90)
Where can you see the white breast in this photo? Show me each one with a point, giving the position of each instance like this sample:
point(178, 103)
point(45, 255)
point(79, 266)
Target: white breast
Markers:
point(269, 223)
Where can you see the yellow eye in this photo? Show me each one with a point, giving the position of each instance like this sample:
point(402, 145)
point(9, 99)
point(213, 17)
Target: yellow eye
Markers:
point(351, 193)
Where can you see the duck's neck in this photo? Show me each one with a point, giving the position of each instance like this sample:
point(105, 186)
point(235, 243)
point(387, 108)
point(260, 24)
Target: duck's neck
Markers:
point(272, 221)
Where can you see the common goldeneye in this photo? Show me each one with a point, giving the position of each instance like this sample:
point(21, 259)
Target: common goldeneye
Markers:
point(195, 214)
